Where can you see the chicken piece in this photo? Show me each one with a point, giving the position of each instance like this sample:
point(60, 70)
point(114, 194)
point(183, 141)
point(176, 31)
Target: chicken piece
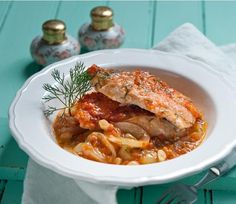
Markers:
point(95, 106)
point(146, 91)
point(157, 127)
point(66, 128)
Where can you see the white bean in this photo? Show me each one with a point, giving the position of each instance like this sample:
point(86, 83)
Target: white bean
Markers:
point(148, 157)
point(103, 124)
point(161, 155)
point(133, 163)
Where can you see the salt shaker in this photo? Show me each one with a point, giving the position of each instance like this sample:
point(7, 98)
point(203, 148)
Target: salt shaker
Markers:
point(54, 45)
point(101, 33)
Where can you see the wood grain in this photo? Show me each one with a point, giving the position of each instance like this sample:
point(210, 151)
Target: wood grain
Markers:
point(220, 21)
point(13, 192)
point(171, 14)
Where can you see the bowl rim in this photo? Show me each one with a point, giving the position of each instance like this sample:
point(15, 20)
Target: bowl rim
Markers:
point(118, 179)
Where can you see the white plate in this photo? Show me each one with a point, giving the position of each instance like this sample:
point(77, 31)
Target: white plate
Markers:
point(207, 89)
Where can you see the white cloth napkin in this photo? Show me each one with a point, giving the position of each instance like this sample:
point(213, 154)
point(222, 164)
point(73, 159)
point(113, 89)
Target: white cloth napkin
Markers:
point(189, 41)
point(43, 186)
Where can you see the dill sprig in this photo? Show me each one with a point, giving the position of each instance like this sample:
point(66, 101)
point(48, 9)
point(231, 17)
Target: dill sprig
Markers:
point(68, 91)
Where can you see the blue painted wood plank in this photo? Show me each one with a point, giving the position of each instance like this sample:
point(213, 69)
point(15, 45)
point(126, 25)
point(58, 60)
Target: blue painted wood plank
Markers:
point(12, 160)
point(152, 193)
point(10, 155)
point(220, 21)
point(138, 24)
point(13, 192)
point(171, 14)
point(76, 13)
point(128, 196)
point(223, 197)
point(226, 182)
point(3, 132)
point(22, 24)
point(12, 173)
point(137, 20)
point(2, 187)
point(5, 7)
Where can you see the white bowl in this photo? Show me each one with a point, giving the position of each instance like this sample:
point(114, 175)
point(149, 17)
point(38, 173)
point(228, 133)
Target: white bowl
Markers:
point(207, 89)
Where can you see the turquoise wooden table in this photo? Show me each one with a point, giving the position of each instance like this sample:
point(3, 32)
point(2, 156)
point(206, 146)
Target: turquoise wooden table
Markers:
point(146, 23)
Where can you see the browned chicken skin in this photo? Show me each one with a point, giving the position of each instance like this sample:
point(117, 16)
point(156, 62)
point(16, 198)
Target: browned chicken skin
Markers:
point(93, 107)
point(148, 92)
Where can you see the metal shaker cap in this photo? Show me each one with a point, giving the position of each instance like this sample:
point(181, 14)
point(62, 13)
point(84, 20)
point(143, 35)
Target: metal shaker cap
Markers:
point(102, 18)
point(54, 31)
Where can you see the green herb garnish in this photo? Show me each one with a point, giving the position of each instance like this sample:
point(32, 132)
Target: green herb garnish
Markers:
point(69, 90)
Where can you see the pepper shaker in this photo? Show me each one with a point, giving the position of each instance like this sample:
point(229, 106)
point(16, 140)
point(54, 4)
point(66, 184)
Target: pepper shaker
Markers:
point(54, 45)
point(101, 33)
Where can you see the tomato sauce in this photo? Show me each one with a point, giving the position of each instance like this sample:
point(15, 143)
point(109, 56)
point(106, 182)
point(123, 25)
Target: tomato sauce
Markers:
point(96, 106)
point(82, 127)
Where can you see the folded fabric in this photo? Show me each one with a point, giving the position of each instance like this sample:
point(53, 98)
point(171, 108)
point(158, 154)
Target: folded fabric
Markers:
point(42, 185)
point(189, 41)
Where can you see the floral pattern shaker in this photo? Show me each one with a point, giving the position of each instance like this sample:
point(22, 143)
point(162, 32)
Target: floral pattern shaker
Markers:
point(101, 33)
point(54, 45)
